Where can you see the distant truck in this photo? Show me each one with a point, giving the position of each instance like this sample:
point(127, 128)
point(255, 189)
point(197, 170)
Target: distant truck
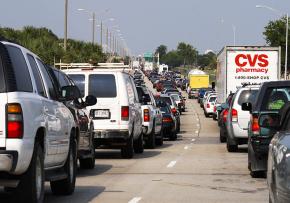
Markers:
point(198, 79)
point(148, 66)
point(238, 66)
point(162, 68)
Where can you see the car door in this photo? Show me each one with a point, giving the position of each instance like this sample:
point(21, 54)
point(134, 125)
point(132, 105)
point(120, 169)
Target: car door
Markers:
point(158, 115)
point(137, 109)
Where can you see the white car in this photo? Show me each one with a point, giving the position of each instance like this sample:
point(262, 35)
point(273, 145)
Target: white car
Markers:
point(37, 131)
point(237, 120)
point(117, 116)
point(152, 119)
point(209, 104)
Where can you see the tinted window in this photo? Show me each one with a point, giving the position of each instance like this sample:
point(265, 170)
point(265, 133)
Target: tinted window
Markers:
point(175, 97)
point(212, 99)
point(79, 80)
point(62, 80)
point(2, 83)
point(165, 109)
point(275, 98)
point(20, 68)
point(166, 99)
point(38, 80)
point(102, 85)
point(247, 96)
point(48, 80)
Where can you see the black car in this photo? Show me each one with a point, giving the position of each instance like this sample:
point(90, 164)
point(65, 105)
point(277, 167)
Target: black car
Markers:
point(169, 122)
point(85, 126)
point(271, 97)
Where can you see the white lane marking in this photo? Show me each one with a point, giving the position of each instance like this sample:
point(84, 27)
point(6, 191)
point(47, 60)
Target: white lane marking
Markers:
point(197, 124)
point(193, 140)
point(196, 131)
point(197, 119)
point(135, 200)
point(171, 164)
point(186, 147)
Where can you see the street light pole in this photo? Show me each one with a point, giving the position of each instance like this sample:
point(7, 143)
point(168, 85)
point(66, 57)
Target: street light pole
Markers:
point(107, 39)
point(65, 25)
point(102, 35)
point(93, 32)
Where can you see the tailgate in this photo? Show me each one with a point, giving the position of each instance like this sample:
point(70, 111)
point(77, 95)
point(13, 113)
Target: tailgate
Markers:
point(3, 102)
point(243, 118)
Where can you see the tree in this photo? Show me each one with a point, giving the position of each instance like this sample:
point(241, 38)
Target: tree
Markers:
point(188, 53)
point(207, 60)
point(173, 59)
point(275, 35)
point(162, 50)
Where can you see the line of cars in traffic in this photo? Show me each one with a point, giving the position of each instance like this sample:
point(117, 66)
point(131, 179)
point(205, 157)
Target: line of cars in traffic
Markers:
point(259, 116)
point(51, 119)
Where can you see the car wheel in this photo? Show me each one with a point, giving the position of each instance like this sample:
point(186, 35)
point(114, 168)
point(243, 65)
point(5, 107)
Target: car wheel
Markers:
point(257, 174)
point(223, 137)
point(150, 143)
point(206, 114)
point(159, 141)
point(31, 185)
point(232, 148)
point(173, 136)
point(67, 185)
point(138, 145)
point(127, 152)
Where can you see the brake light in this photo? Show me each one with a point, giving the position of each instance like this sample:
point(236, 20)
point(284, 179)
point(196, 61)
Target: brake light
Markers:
point(214, 109)
point(207, 105)
point(234, 115)
point(225, 114)
point(14, 121)
point(167, 120)
point(255, 125)
point(146, 116)
point(174, 111)
point(125, 113)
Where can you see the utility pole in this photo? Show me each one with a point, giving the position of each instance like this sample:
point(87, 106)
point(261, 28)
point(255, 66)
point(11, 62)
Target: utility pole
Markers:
point(107, 40)
point(102, 35)
point(94, 24)
point(65, 25)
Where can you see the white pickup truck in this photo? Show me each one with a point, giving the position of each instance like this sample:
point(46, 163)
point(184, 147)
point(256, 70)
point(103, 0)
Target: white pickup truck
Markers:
point(37, 131)
point(152, 118)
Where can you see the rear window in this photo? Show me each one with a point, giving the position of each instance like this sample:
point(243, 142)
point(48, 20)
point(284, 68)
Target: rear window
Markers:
point(102, 85)
point(79, 80)
point(275, 98)
point(212, 99)
point(20, 68)
point(166, 99)
point(165, 109)
point(247, 96)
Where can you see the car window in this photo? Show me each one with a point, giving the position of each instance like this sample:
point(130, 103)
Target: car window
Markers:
point(102, 85)
point(51, 89)
point(2, 81)
point(165, 109)
point(22, 76)
point(62, 80)
point(37, 77)
point(247, 96)
point(79, 80)
point(275, 98)
point(212, 99)
point(166, 99)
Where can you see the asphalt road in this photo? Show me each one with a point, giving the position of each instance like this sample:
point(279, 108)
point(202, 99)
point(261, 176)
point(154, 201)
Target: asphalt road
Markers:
point(195, 168)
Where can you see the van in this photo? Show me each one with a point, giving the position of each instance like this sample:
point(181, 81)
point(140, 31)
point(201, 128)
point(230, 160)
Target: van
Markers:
point(117, 116)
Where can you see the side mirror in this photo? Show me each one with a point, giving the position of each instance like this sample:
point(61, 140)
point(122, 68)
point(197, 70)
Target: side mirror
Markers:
point(90, 100)
point(70, 93)
point(269, 120)
point(247, 107)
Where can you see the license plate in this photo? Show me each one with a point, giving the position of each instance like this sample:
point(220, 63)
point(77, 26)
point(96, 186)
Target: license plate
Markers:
point(102, 114)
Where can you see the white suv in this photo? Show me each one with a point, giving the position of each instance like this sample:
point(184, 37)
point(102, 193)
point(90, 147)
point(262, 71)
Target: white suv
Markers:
point(117, 116)
point(237, 119)
point(208, 105)
point(37, 131)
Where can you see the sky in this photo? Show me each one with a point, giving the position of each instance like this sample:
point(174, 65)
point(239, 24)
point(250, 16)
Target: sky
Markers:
point(144, 25)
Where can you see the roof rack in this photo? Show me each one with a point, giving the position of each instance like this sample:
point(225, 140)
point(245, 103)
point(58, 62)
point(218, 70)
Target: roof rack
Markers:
point(63, 66)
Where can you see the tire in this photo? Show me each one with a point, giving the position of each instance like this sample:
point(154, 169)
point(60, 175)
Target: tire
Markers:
point(159, 141)
point(89, 163)
point(127, 152)
point(206, 114)
point(232, 148)
point(173, 136)
point(138, 145)
point(67, 186)
point(150, 142)
point(31, 185)
point(223, 137)
point(257, 174)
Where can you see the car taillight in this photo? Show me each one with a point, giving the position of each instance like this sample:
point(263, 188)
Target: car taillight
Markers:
point(146, 116)
point(125, 113)
point(225, 114)
point(234, 115)
point(167, 120)
point(214, 109)
point(207, 105)
point(174, 111)
point(14, 121)
point(255, 125)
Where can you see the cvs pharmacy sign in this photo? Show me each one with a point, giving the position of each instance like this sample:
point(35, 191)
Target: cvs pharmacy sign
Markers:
point(252, 63)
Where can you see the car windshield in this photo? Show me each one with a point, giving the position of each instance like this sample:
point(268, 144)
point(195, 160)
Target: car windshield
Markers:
point(275, 98)
point(212, 99)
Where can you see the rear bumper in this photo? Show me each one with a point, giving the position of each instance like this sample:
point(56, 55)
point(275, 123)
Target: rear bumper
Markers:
point(8, 160)
point(111, 134)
